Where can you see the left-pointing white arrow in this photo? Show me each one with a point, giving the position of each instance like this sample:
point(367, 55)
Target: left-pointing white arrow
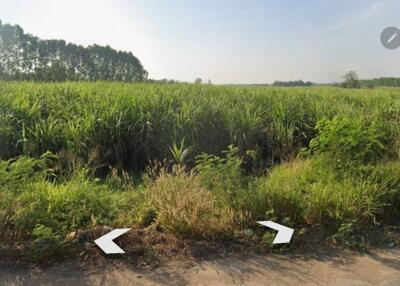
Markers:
point(107, 244)
point(284, 234)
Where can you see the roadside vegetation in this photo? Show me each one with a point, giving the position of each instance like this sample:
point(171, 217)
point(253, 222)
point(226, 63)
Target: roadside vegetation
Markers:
point(197, 161)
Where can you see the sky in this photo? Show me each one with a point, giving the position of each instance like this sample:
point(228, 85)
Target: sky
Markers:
point(226, 41)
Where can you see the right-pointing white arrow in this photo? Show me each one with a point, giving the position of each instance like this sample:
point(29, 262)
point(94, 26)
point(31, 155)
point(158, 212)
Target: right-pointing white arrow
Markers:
point(107, 244)
point(284, 234)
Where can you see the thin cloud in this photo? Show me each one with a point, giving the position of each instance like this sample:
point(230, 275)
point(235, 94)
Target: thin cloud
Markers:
point(359, 17)
point(371, 10)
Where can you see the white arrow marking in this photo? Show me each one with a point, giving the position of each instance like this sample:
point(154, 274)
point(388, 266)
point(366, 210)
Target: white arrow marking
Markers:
point(107, 244)
point(284, 234)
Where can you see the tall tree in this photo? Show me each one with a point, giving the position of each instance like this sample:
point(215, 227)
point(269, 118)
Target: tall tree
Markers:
point(25, 57)
point(351, 80)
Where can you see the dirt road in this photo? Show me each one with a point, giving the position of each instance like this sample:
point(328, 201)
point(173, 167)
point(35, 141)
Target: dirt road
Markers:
point(321, 268)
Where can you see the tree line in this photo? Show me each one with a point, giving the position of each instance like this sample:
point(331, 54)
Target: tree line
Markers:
point(292, 83)
point(26, 57)
point(351, 80)
point(383, 81)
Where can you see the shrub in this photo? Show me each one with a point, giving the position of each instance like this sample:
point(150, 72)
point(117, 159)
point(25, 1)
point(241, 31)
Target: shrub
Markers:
point(27, 199)
point(185, 207)
point(225, 178)
point(65, 207)
point(215, 169)
point(332, 202)
point(19, 171)
point(281, 192)
point(349, 142)
point(47, 244)
point(305, 193)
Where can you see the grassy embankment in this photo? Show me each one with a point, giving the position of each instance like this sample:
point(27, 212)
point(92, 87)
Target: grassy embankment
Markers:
point(195, 160)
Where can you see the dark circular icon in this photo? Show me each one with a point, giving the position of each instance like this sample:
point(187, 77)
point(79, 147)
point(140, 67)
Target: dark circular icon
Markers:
point(390, 38)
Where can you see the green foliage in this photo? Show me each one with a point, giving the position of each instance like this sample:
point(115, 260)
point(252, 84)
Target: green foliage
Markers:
point(268, 238)
point(351, 80)
point(308, 193)
point(292, 83)
point(6, 133)
point(387, 176)
point(350, 234)
point(25, 57)
point(43, 232)
point(46, 244)
point(224, 176)
point(216, 170)
point(129, 125)
point(29, 200)
point(102, 133)
point(16, 172)
point(382, 81)
point(180, 153)
point(349, 141)
point(281, 193)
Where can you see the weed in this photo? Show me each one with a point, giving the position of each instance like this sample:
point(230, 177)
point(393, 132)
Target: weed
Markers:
point(185, 207)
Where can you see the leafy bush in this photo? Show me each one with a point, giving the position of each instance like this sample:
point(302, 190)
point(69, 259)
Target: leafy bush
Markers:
point(225, 178)
point(17, 172)
point(350, 234)
point(351, 141)
point(46, 243)
point(221, 174)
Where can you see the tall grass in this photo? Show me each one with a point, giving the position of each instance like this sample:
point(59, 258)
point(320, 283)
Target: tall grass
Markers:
point(61, 143)
point(130, 124)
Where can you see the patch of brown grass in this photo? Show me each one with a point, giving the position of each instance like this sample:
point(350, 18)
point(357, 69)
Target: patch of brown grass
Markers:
point(185, 207)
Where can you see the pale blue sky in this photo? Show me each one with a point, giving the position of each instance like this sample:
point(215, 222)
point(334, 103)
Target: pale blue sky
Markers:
point(226, 41)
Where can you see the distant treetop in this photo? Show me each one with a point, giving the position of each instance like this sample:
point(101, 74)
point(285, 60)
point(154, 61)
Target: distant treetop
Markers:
point(26, 57)
point(383, 81)
point(292, 83)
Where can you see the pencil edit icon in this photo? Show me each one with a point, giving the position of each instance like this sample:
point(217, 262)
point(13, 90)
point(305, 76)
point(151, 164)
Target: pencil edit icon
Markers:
point(390, 38)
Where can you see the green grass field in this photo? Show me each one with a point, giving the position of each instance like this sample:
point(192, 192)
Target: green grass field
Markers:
point(197, 160)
